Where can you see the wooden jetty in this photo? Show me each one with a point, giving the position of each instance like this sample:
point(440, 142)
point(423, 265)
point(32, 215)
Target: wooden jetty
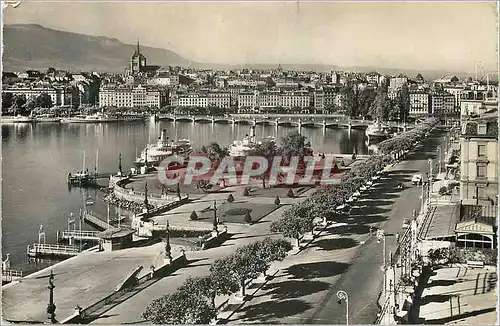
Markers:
point(43, 250)
point(78, 235)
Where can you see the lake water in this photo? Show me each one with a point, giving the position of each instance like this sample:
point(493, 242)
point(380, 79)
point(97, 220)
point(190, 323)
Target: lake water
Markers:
point(37, 158)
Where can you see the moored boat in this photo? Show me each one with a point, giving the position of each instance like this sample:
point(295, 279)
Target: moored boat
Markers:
point(241, 148)
point(376, 131)
point(16, 119)
point(154, 154)
point(47, 118)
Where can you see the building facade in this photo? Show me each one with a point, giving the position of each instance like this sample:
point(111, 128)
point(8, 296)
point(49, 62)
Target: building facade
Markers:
point(479, 162)
point(419, 103)
point(130, 97)
point(442, 105)
point(60, 96)
point(296, 99)
point(219, 99)
point(247, 100)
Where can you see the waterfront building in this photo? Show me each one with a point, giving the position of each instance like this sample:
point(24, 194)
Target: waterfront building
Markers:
point(219, 99)
point(270, 99)
point(60, 95)
point(298, 99)
point(247, 100)
point(192, 100)
point(373, 77)
point(319, 100)
point(419, 103)
point(130, 97)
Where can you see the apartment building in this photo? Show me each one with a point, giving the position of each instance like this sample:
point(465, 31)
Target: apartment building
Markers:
point(442, 105)
point(271, 99)
point(419, 103)
point(298, 99)
point(479, 161)
point(192, 100)
point(319, 100)
point(247, 100)
point(219, 99)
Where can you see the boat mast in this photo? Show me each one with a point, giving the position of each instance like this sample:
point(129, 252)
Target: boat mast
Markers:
point(83, 167)
point(96, 161)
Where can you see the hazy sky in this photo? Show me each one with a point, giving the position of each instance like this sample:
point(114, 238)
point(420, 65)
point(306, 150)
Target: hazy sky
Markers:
point(416, 35)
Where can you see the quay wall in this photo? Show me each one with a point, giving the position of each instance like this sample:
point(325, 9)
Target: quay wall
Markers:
point(138, 197)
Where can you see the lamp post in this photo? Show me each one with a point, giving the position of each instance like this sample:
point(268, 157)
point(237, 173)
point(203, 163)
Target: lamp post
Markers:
point(51, 307)
point(215, 230)
point(342, 295)
point(429, 189)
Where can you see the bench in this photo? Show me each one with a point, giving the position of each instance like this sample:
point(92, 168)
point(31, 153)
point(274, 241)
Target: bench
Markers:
point(475, 264)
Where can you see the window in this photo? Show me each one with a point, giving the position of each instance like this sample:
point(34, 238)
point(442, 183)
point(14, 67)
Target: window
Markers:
point(480, 191)
point(481, 150)
point(481, 171)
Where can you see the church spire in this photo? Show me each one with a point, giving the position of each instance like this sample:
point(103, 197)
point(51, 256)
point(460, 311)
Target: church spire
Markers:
point(138, 50)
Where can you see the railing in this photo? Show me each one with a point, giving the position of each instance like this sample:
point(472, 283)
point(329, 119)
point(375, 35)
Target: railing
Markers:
point(383, 311)
point(49, 249)
point(10, 275)
point(88, 216)
point(79, 234)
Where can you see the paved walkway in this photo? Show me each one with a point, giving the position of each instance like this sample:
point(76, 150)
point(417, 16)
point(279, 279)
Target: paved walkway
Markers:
point(130, 311)
point(460, 295)
point(81, 280)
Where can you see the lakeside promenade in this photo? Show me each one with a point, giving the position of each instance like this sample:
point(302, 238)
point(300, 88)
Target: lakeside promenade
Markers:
point(347, 263)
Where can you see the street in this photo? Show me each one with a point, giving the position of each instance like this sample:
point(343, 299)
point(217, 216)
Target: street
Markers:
point(355, 269)
point(388, 210)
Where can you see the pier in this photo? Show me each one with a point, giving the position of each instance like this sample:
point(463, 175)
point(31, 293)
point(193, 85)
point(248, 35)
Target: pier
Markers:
point(78, 235)
point(42, 250)
point(98, 222)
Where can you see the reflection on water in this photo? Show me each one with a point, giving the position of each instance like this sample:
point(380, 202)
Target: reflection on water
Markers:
point(37, 158)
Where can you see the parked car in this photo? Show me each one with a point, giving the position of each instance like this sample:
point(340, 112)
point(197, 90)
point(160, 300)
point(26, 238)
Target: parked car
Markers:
point(416, 179)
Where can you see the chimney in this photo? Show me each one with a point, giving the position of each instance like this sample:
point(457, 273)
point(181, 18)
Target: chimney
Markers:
point(163, 135)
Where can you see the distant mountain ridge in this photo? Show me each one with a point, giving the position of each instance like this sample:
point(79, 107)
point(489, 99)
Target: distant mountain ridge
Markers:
point(31, 46)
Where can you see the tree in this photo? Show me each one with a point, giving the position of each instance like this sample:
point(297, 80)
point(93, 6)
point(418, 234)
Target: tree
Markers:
point(43, 100)
point(222, 278)
point(180, 307)
point(381, 105)
point(349, 101)
point(294, 222)
point(403, 102)
point(270, 250)
point(7, 102)
point(246, 264)
point(267, 150)
point(294, 144)
point(230, 198)
point(51, 70)
point(365, 100)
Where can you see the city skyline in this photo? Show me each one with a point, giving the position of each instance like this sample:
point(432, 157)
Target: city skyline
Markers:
point(370, 34)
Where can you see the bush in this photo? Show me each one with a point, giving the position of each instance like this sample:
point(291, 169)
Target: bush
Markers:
point(246, 192)
point(277, 200)
point(193, 216)
point(290, 193)
point(237, 211)
point(248, 218)
point(230, 198)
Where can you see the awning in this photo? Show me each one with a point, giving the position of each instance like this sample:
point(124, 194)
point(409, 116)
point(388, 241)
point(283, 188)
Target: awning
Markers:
point(441, 222)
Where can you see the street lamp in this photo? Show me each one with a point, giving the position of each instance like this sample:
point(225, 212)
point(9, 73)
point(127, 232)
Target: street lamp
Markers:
point(439, 158)
point(342, 295)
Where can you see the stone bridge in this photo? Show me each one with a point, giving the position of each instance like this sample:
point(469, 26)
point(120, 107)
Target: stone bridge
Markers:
point(299, 120)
